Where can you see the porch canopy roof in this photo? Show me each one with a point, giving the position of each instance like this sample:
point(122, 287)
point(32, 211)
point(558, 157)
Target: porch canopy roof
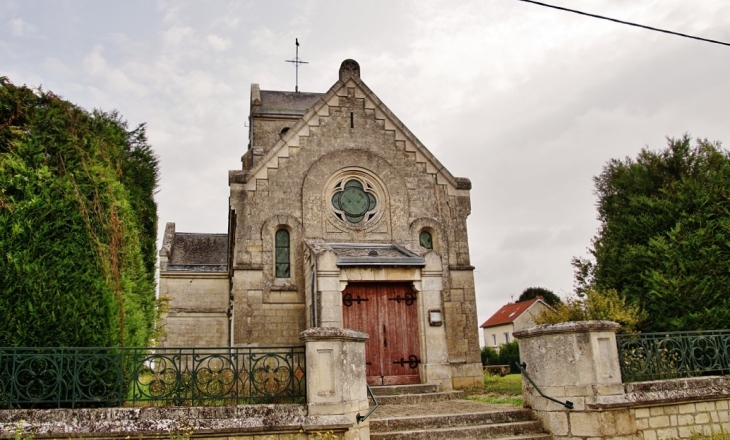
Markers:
point(374, 254)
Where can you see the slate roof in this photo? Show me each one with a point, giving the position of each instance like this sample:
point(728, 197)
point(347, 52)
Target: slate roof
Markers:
point(371, 254)
point(509, 313)
point(194, 251)
point(275, 101)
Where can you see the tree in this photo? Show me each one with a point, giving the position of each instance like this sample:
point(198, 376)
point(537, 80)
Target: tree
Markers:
point(533, 292)
point(595, 306)
point(78, 223)
point(509, 354)
point(664, 237)
point(489, 356)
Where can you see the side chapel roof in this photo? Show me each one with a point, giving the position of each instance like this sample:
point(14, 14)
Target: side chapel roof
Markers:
point(509, 312)
point(195, 251)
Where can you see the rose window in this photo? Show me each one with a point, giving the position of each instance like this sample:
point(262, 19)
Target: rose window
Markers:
point(353, 201)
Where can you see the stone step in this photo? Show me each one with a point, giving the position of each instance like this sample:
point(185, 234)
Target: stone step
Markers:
point(431, 421)
point(531, 430)
point(395, 390)
point(408, 399)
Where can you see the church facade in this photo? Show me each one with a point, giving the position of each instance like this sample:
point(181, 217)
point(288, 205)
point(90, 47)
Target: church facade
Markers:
point(339, 217)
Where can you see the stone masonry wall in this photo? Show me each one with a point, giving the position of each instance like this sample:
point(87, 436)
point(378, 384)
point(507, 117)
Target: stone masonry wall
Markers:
point(266, 317)
point(683, 420)
point(197, 307)
point(255, 422)
point(578, 362)
point(462, 331)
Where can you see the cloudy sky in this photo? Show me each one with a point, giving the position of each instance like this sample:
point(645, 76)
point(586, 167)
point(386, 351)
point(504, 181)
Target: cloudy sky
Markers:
point(526, 101)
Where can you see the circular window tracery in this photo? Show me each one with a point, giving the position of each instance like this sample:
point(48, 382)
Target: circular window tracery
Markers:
point(354, 201)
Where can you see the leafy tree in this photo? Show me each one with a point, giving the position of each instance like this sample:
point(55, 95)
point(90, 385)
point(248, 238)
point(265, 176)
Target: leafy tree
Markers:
point(595, 306)
point(77, 224)
point(664, 239)
point(489, 356)
point(533, 292)
point(509, 354)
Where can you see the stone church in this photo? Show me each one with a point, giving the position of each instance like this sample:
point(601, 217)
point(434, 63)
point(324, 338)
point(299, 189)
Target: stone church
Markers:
point(339, 217)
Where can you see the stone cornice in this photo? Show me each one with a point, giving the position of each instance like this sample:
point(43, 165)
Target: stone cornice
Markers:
point(567, 327)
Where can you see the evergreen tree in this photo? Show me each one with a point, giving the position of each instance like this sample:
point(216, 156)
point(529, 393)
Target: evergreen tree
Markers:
point(77, 224)
point(533, 292)
point(664, 238)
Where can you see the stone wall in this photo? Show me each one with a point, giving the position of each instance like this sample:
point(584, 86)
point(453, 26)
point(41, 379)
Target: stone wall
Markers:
point(462, 330)
point(265, 317)
point(197, 309)
point(578, 362)
point(256, 422)
point(683, 420)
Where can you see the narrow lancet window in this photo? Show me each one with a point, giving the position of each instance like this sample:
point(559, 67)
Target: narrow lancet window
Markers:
point(426, 240)
point(283, 263)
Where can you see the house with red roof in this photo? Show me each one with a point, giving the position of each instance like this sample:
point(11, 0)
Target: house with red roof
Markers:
point(499, 327)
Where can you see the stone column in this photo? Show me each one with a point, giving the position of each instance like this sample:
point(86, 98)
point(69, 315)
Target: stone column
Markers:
point(336, 376)
point(577, 362)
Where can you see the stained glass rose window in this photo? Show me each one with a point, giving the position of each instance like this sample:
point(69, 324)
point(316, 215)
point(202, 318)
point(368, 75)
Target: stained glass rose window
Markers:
point(354, 201)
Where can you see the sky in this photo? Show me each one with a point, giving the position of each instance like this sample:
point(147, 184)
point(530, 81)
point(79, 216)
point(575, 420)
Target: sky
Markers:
point(526, 101)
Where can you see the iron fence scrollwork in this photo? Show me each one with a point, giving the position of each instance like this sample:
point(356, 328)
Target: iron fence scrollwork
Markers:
point(668, 355)
point(83, 377)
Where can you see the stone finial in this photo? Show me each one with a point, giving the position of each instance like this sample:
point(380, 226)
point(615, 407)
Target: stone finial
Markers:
point(349, 69)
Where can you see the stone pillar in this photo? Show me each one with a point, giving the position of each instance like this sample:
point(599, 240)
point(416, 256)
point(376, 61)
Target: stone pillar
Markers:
point(336, 376)
point(577, 362)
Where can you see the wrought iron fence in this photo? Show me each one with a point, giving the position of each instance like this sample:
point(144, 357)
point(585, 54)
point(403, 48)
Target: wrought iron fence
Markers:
point(651, 356)
point(84, 377)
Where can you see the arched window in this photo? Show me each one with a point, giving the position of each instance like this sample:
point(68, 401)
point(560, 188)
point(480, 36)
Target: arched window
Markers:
point(426, 240)
point(283, 263)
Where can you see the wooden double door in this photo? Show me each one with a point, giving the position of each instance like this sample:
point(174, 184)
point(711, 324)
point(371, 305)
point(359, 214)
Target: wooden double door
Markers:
point(388, 312)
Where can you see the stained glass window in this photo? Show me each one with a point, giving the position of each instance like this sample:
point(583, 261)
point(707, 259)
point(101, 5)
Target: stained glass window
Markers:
point(354, 201)
point(426, 240)
point(283, 264)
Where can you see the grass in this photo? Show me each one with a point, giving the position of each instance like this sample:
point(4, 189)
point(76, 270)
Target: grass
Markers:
point(722, 435)
point(498, 390)
point(510, 384)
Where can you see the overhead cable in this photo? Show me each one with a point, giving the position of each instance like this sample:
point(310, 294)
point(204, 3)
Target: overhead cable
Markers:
point(627, 23)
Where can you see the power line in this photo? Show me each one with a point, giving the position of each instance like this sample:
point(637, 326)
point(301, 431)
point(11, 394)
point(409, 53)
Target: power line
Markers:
point(626, 22)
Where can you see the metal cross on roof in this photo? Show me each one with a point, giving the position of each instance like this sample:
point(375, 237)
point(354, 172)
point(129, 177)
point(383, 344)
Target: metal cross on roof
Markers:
point(297, 62)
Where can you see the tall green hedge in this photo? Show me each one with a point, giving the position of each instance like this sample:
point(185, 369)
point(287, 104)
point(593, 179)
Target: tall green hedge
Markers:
point(77, 224)
point(664, 238)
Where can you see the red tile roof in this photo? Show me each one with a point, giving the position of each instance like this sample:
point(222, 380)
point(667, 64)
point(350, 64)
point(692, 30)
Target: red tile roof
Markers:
point(509, 313)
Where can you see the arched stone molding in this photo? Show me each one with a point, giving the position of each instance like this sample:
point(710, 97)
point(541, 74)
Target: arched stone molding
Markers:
point(268, 232)
point(435, 228)
point(316, 204)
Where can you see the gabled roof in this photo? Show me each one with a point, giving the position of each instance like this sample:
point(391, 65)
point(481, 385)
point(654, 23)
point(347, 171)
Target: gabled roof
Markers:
point(508, 313)
point(194, 251)
point(287, 102)
point(317, 104)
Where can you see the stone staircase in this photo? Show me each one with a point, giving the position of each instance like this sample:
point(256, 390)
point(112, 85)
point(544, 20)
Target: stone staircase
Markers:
point(421, 412)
